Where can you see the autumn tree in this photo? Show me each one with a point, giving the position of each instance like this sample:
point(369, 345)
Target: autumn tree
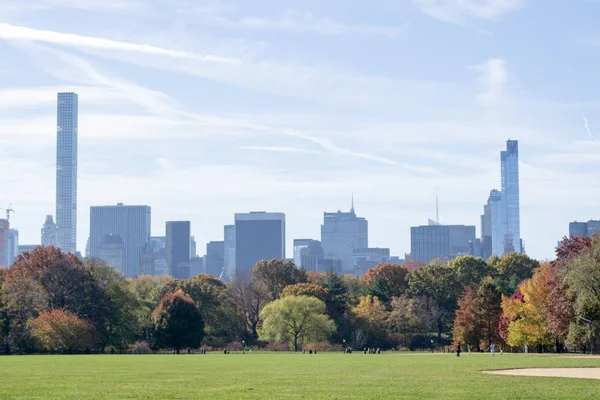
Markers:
point(371, 317)
point(467, 324)
point(529, 325)
point(386, 280)
point(403, 320)
point(490, 311)
point(59, 330)
point(295, 320)
point(177, 323)
point(306, 289)
point(277, 274)
point(470, 270)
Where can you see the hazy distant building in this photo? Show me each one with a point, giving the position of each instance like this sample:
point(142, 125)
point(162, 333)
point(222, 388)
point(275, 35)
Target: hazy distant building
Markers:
point(397, 260)
point(66, 171)
point(26, 248)
point(328, 265)
point(341, 233)
point(367, 258)
point(197, 266)
point(112, 252)
point(476, 248)
point(258, 236)
point(49, 232)
point(215, 252)
point(131, 223)
point(193, 249)
point(584, 228)
point(229, 252)
point(307, 254)
point(177, 249)
point(445, 242)
point(147, 260)
point(4, 235)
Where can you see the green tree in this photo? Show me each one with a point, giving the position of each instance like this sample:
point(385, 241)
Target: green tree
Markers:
point(275, 275)
point(295, 320)
point(470, 270)
point(512, 269)
point(177, 323)
point(439, 287)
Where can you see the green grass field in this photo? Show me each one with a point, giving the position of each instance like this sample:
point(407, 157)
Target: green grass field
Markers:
point(279, 376)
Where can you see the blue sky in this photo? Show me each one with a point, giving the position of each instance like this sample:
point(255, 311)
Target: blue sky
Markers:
point(201, 109)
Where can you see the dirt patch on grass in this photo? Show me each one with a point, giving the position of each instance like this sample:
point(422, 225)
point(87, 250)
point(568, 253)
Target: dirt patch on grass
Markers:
point(582, 357)
point(583, 373)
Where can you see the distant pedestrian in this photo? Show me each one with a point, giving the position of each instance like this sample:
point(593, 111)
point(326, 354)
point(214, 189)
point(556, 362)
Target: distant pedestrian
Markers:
point(458, 350)
point(526, 349)
point(493, 349)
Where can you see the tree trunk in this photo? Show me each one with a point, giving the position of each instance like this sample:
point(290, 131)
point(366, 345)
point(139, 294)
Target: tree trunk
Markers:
point(295, 343)
point(177, 350)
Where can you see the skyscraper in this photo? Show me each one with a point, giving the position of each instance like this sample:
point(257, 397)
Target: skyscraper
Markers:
point(177, 250)
point(307, 254)
point(49, 233)
point(258, 236)
point(501, 220)
point(229, 252)
point(66, 171)
point(509, 160)
point(341, 233)
point(584, 228)
point(131, 223)
point(112, 251)
point(214, 258)
point(4, 241)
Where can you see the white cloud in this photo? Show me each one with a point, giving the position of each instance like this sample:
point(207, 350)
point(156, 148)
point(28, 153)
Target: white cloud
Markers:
point(12, 32)
point(459, 11)
point(309, 22)
point(492, 81)
point(280, 149)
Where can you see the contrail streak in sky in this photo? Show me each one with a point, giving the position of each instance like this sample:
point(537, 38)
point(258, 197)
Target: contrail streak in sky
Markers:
point(587, 126)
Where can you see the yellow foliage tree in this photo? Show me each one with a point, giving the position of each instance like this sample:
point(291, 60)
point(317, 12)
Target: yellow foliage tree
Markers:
point(529, 325)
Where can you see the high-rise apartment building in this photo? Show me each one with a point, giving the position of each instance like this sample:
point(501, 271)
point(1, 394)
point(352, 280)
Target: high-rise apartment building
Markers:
point(444, 242)
point(509, 161)
point(49, 232)
point(131, 223)
point(177, 250)
point(229, 252)
point(341, 233)
point(214, 263)
point(258, 236)
point(66, 171)
point(501, 220)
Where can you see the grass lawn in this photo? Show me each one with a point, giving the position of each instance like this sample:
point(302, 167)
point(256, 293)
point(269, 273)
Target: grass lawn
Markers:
point(279, 376)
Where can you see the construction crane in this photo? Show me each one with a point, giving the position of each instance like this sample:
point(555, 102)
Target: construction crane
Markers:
point(8, 210)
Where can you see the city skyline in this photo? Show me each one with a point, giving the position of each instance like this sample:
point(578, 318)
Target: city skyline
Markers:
point(202, 111)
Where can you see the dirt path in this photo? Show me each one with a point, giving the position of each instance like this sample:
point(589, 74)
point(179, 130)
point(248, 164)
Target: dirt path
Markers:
point(584, 373)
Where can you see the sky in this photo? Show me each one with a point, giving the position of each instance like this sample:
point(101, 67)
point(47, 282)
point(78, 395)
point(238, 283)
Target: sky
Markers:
point(204, 108)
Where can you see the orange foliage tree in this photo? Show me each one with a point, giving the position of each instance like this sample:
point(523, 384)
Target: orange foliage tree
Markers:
point(60, 330)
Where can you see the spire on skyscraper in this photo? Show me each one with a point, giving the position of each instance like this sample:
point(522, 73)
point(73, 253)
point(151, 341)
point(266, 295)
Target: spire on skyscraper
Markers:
point(352, 208)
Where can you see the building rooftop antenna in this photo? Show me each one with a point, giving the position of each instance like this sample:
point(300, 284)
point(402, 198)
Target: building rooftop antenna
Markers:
point(8, 210)
point(352, 208)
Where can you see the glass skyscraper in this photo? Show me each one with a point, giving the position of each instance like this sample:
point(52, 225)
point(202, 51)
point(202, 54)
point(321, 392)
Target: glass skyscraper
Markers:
point(501, 220)
point(341, 233)
point(66, 171)
point(509, 160)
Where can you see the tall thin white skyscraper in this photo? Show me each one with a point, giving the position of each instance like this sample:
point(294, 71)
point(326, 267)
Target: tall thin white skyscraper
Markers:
point(509, 160)
point(66, 171)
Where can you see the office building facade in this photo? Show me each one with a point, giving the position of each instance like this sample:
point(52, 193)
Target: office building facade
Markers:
point(215, 255)
point(341, 233)
point(131, 223)
point(307, 254)
point(229, 252)
point(66, 171)
point(365, 259)
point(177, 250)
point(258, 236)
point(584, 228)
point(444, 242)
point(112, 252)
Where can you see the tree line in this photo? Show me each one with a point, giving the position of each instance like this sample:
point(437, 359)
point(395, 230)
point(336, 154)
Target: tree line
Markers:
point(55, 302)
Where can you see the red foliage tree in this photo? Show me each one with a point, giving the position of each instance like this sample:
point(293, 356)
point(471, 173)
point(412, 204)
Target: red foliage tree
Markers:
point(467, 325)
point(391, 278)
point(60, 330)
